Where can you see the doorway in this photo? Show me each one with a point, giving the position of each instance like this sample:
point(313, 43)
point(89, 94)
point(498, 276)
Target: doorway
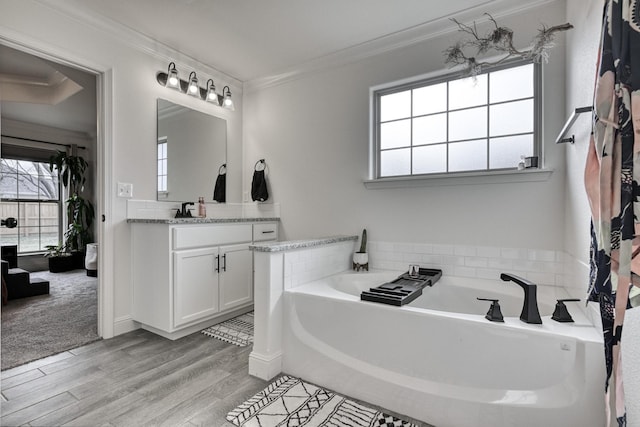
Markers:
point(47, 105)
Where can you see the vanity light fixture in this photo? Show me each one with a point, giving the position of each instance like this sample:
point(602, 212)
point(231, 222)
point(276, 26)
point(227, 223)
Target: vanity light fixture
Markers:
point(212, 96)
point(172, 80)
point(227, 102)
point(193, 89)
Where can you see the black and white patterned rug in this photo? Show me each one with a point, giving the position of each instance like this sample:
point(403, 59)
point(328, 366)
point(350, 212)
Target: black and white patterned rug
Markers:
point(289, 401)
point(237, 331)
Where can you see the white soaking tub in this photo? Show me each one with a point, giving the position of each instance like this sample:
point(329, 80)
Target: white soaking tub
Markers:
point(439, 360)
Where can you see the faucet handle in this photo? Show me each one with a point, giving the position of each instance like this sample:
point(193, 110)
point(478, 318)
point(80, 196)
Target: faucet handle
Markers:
point(561, 314)
point(494, 314)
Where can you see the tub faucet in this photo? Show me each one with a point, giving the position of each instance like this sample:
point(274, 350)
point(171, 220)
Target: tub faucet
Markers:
point(530, 313)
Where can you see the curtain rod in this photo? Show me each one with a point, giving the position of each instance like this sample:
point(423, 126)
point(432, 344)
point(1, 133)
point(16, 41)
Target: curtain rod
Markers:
point(44, 142)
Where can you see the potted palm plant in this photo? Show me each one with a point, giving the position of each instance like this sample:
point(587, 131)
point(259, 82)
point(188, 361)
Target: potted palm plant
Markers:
point(80, 212)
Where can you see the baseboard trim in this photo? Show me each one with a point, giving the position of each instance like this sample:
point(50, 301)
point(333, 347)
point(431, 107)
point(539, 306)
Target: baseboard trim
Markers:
point(188, 330)
point(265, 367)
point(124, 324)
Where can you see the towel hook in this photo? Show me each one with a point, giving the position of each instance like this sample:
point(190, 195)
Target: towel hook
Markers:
point(220, 169)
point(262, 162)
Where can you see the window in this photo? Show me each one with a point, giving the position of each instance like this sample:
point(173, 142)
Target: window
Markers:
point(162, 165)
point(30, 192)
point(452, 124)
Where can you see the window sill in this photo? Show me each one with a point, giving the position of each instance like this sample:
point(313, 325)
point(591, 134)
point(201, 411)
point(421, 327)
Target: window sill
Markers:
point(462, 178)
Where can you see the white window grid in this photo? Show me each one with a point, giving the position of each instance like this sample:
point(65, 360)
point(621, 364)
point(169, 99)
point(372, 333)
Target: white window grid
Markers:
point(420, 83)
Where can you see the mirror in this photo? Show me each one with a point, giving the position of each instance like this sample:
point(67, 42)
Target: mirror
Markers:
point(192, 148)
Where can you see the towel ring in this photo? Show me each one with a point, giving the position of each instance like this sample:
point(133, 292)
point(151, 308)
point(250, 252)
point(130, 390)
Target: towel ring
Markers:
point(221, 171)
point(260, 162)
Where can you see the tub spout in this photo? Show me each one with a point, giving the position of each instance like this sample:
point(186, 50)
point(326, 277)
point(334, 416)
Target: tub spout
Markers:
point(530, 313)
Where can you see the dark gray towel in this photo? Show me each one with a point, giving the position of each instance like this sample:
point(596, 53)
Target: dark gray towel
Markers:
point(259, 190)
point(220, 189)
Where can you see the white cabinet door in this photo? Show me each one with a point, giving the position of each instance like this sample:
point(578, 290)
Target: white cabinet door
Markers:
point(195, 284)
point(236, 267)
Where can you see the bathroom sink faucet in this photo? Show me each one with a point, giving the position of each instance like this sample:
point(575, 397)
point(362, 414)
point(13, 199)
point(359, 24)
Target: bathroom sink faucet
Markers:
point(184, 212)
point(530, 313)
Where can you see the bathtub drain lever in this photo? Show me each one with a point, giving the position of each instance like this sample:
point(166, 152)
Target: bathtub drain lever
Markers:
point(494, 314)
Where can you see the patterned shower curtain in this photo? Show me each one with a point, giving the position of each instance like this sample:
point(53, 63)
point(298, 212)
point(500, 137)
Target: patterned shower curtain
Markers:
point(612, 180)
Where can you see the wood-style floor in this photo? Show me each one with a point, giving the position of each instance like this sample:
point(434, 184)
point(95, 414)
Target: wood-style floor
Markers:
point(134, 379)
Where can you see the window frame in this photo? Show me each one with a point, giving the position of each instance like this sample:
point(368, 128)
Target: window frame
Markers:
point(433, 79)
point(39, 201)
point(162, 193)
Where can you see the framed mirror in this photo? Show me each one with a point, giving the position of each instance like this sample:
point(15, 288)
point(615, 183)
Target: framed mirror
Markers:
point(191, 150)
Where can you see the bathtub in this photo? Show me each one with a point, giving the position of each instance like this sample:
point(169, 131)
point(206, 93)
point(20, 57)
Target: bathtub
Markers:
point(439, 360)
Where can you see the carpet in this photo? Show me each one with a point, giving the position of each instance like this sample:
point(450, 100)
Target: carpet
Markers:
point(40, 326)
point(237, 331)
point(289, 401)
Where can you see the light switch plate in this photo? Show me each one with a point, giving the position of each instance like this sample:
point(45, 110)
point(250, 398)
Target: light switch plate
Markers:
point(125, 190)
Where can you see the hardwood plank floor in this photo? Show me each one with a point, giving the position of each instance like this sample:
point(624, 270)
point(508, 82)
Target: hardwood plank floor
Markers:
point(131, 380)
point(135, 379)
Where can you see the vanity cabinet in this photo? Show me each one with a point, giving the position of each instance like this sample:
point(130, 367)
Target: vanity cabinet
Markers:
point(187, 277)
point(196, 285)
point(236, 276)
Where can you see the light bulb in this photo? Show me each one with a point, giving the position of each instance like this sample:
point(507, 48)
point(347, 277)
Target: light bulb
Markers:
point(193, 89)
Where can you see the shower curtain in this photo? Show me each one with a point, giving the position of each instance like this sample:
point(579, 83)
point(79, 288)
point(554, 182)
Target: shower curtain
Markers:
point(612, 180)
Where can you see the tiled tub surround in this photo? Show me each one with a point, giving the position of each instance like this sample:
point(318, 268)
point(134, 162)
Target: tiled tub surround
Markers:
point(543, 267)
point(307, 327)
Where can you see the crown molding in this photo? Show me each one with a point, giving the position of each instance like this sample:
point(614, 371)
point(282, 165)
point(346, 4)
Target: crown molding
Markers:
point(139, 41)
point(395, 41)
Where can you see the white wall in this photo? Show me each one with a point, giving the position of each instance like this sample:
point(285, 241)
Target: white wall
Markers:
point(582, 51)
point(313, 132)
point(134, 92)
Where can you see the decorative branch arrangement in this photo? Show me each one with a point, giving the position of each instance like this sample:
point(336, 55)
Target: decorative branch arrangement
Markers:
point(500, 39)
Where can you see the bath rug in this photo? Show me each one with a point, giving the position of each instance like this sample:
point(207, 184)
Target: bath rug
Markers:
point(289, 401)
point(237, 331)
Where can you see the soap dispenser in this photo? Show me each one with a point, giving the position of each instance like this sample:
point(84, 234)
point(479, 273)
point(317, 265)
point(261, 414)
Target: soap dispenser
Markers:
point(202, 209)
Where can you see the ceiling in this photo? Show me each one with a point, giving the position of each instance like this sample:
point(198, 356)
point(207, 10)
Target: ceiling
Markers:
point(250, 39)
point(245, 39)
point(44, 92)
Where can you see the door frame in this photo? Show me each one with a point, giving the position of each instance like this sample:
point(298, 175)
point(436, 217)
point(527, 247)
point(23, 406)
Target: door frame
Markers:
point(104, 164)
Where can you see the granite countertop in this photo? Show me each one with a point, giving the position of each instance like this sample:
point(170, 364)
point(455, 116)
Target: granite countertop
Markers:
point(196, 220)
point(297, 244)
